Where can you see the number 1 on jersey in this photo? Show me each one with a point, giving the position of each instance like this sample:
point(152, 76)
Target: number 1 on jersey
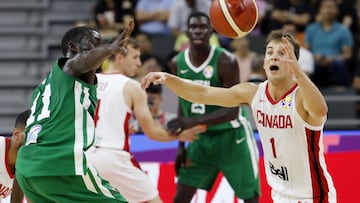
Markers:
point(272, 141)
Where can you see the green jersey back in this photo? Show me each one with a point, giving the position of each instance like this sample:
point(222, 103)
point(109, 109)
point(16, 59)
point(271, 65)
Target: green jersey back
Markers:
point(60, 127)
point(205, 74)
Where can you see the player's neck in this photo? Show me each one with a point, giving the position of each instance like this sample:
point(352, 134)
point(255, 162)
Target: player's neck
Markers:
point(199, 54)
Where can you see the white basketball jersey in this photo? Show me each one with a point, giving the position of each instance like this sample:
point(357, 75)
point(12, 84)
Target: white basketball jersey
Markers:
point(293, 150)
point(6, 176)
point(112, 114)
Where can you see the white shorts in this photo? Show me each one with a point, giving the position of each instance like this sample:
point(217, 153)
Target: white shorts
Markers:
point(281, 198)
point(120, 169)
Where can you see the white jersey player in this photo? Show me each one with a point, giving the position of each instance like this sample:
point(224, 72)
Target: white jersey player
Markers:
point(119, 98)
point(289, 111)
point(293, 149)
point(6, 174)
point(8, 150)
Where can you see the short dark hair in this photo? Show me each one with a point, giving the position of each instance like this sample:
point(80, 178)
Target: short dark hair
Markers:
point(278, 34)
point(133, 43)
point(154, 89)
point(22, 118)
point(74, 35)
point(198, 14)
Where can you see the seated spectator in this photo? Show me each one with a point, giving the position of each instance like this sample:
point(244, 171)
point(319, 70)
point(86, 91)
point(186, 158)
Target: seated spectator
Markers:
point(257, 74)
point(306, 58)
point(152, 16)
point(244, 55)
point(297, 12)
point(150, 61)
point(124, 12)
point(331, 43)
point(104, 14)
point(111, 16)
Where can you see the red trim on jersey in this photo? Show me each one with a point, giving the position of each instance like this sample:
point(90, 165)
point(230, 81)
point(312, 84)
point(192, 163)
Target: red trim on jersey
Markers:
point(126, 132)
point(319, 183)
point(7, 146)
point(134, 162)
point(268, 96)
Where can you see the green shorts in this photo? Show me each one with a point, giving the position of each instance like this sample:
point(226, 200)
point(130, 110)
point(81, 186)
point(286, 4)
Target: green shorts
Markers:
point(89, 188)
point(233, 152)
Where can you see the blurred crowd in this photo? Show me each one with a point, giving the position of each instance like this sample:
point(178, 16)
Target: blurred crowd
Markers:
point(328, 31)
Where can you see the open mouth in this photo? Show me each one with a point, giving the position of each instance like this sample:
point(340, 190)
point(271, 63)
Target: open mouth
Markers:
point(274, 68)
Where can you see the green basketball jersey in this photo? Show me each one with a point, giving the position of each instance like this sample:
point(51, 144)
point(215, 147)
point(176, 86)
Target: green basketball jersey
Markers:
point(205, 74)
point(60, 127)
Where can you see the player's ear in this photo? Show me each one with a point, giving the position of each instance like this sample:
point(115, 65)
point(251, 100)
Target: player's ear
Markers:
point(18, 134)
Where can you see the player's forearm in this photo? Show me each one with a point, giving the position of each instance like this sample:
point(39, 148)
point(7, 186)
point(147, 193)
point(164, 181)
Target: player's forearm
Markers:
point(158, 133)
point(186, 89)
point(92, 60)
point(314, 101)
point(220, 116)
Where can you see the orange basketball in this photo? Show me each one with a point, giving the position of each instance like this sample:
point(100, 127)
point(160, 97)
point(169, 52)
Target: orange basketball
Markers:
point(233, 18)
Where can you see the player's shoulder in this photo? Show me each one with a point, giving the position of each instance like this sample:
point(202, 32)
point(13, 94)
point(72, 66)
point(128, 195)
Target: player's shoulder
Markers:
point(226, 54)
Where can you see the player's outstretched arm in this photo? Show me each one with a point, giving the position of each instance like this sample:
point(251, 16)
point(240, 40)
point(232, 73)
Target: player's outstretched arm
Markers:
point(197, 93)
point(93, 59)
point(150, 127)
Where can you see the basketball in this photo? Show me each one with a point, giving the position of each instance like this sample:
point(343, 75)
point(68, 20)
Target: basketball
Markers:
point(233, 18)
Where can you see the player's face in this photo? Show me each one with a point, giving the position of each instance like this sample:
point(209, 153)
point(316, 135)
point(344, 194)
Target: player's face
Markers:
point(156, 102)
point(199, 31)
point(19, 133)
point(131, 62)
point(273, 61)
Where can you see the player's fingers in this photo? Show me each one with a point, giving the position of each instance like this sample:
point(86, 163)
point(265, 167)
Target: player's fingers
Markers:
point(200, 128)
point(145, 82)
point(131, 26)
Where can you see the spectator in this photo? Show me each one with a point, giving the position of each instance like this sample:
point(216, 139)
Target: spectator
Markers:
point(244, 57)
point(152, 16)
point(331, 43)
point(263, 7)
point(288, 11)
point(257, 74)
point(149, 59)
point(306, 58)
point(111, 16)
point(154, 93)
point(104, 12)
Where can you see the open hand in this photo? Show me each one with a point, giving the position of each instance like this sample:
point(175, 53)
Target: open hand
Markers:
point(120, 43)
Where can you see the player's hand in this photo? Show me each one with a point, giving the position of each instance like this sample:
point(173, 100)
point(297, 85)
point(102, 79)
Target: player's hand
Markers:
point(290, 59)
point(177, 125)
point(180, 160)
point(191, 134)
point(120, 43)
point(153, 77)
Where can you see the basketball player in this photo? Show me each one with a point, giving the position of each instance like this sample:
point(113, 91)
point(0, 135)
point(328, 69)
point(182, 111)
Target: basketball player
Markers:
point(227, 132)
point(8, 150)
point(290, 113)
point(52, 166)
point(120, 97)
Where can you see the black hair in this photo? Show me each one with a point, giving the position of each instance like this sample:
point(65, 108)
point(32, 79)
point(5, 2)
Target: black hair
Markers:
point(74, 35)
point(198, 14)
point(22, 118)
point(154, 89)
